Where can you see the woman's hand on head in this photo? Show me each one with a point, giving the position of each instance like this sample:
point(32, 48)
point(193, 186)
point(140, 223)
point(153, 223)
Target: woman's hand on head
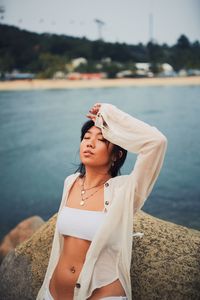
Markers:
point(94, 111)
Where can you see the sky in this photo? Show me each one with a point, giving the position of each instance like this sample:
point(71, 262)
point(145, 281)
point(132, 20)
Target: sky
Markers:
point(128, 21)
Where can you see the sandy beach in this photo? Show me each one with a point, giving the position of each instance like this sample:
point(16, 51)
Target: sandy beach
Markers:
point(101, 83)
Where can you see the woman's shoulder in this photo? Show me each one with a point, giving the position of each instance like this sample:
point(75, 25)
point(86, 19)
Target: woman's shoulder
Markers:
point(70, 177)
point(120, 179)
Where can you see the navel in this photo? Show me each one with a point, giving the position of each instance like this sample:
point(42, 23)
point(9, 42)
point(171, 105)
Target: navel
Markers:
point(72, 269)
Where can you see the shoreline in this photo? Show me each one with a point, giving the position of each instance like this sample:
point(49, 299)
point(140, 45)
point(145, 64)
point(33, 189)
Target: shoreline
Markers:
point(36, 84)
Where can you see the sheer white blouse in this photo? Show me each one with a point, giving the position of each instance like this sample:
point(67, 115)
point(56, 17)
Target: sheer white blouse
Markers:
point(109, 254)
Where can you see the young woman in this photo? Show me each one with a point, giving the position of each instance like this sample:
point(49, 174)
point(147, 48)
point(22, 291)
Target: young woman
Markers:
point(92, 246)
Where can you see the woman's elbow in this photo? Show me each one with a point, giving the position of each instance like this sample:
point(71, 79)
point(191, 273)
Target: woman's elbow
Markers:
point(162, 140)
point(159, 137)
point(161, 144)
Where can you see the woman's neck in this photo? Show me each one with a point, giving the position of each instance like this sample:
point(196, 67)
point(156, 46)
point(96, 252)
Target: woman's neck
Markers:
point(95, 177)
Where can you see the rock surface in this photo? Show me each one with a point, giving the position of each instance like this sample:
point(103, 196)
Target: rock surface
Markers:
point(165, 262)
point(19, 234)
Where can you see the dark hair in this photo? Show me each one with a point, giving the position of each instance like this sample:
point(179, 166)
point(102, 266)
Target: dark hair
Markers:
point(114, 170)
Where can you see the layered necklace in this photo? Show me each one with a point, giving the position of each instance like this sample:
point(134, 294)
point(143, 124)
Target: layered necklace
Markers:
point(83, 191)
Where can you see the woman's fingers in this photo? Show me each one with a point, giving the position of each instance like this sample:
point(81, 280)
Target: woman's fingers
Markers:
point(92, 117)
point(93, 111)
point(95, 108)
point(97, 105)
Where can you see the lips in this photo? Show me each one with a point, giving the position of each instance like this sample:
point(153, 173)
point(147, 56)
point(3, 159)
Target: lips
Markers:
point(88, 152)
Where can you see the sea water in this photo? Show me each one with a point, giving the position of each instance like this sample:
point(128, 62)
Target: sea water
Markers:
point(39, 147)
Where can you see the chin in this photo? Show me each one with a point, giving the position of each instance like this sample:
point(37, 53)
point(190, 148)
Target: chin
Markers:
point(87, 164)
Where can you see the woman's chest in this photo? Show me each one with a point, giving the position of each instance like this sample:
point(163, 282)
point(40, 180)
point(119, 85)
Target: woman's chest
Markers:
point(91, 199)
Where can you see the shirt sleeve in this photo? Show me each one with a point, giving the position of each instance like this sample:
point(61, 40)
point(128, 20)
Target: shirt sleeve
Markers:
point(138, 137)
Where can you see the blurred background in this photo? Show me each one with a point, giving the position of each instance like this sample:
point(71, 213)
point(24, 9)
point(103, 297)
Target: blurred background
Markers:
point(66, 39)
point(72, 40)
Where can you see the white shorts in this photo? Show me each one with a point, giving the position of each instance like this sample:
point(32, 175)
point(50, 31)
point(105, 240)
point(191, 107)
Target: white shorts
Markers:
point(48, 296)
point(115, 298)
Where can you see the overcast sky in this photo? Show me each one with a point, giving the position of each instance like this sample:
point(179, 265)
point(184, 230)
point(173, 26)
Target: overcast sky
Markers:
point(124, 21)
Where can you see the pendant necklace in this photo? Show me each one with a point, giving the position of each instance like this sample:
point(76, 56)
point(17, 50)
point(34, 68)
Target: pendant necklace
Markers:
point(83, 190)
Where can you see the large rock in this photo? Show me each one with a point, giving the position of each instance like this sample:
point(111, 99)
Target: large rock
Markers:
point(19, 234)
point(165, 262)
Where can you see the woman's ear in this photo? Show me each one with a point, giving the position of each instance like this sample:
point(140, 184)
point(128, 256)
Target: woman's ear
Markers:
point(118, 156)
point(120, 153)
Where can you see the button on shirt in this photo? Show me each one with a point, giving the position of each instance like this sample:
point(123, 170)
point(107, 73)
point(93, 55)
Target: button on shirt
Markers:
point(109, 254)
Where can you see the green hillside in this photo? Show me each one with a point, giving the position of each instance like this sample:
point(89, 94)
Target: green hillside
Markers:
point(44, 54)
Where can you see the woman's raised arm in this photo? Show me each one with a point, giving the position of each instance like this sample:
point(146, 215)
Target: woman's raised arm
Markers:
point(138, 137)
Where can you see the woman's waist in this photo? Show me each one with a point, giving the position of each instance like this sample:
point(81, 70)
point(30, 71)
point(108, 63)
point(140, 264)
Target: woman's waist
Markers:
point(70, 262)
point(74, 250)
point(66, 273)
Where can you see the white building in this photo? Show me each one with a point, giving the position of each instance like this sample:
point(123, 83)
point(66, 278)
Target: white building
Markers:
point(142, 66)
point(143, 69)
point(166, 70)
point(78, 61)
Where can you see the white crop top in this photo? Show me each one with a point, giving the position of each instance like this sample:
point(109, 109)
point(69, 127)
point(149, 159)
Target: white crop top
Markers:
point(79, 223)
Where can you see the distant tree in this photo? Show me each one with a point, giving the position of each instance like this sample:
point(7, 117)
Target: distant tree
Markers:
point(155, 56)
point(7, 63)
point(46, 53)
point(90, 67)
point(181, 54)
point(112, 69)
point(195, 57)
point(155, 53)
point(183, 42)
point(49, 64)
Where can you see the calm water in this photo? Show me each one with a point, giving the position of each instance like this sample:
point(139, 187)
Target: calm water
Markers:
point(40, 131)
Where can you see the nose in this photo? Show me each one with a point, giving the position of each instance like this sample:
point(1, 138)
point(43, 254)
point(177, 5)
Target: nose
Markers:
point(91, 143)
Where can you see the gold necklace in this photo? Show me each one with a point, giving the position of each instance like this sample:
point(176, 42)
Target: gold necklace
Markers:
point(83, 189)
point(82, 202)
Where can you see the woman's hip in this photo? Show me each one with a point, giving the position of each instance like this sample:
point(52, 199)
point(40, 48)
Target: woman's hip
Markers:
point(48, 296)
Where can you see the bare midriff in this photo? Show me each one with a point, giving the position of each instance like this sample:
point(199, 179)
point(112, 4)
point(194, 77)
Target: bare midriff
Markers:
point(66, 273)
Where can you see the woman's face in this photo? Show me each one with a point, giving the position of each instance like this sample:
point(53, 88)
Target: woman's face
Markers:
point(95, 151)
